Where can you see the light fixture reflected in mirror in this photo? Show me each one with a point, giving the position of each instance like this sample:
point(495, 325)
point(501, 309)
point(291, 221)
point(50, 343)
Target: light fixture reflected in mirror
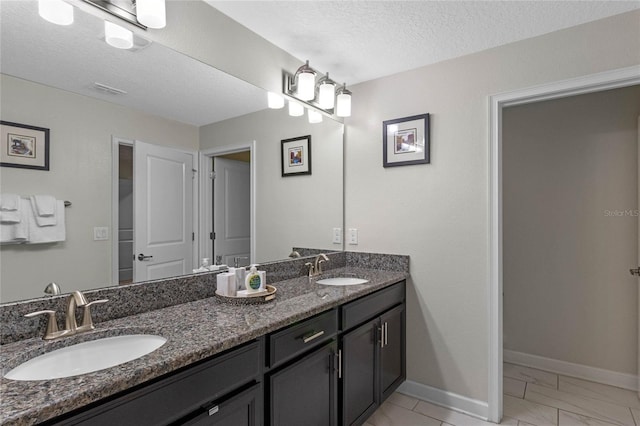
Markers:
point(275, 101)
point(295, 109)
point(314, 116)
point(117, 36)
point(56, 11)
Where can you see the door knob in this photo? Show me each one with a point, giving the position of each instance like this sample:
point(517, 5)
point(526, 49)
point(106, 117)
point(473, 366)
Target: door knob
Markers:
point(143, 257)
point(635, 272)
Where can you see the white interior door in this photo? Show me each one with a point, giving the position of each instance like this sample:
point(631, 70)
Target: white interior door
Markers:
point(163, 212)
point(231, 210)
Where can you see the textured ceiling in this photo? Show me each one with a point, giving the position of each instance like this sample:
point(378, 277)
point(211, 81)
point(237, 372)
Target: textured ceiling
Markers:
point(158, 80)
point(361, 40)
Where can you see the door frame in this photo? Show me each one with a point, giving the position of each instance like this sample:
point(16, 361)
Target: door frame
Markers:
point(613, 79)
point(115, 199)
point(206, 192)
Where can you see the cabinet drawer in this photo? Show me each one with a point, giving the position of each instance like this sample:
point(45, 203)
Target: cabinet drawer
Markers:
point(358, 311)
point(174, 397)
point(296, 339)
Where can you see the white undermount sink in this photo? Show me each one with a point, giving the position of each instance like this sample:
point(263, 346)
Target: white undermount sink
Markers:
point(342, 281)
point(86, 357)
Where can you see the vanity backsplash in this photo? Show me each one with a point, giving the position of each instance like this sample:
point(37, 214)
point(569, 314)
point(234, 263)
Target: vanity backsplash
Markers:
point(147, 296)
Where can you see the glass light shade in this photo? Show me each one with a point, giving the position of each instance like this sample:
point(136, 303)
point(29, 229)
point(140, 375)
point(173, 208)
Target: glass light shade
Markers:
point(56, 11)
point(275, 101)
point(306, 86)
point(327, 95)
point(343, 107)
point(314, 117)
point(151, 13)
point(295, 109)
point(117, 36)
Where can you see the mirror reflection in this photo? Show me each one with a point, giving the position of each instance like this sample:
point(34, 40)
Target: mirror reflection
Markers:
point(181, 119)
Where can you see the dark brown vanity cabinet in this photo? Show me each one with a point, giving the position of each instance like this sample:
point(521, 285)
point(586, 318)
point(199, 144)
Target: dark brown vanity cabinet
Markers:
point(332, 369)
point(217, 391)
point(303, 379)
point(373, 353)
point(305, 392)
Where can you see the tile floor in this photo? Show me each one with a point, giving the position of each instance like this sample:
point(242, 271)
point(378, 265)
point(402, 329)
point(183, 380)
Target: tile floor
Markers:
point(531, 397)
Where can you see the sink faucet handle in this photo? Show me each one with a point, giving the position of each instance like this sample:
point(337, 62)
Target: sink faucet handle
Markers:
point(52, 323)
point(87, 320)
point(311, 269)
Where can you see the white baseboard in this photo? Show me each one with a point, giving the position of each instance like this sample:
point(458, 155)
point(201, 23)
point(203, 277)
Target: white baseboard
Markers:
point(593, 374)
point(453, 401)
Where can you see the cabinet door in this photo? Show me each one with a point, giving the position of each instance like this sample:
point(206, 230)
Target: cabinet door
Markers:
point(392, 350)
point(243, 409)
point(359, 378)
point(305, 392)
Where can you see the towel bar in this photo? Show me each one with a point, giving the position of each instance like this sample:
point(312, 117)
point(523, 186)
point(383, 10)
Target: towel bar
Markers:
point(67, 203)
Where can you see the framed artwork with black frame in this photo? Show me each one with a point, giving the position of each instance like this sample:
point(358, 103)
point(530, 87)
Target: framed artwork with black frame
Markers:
point(296, 156)
point(406, 141)
point(24, 146)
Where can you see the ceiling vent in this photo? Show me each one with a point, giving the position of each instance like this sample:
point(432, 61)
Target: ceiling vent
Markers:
point(108, 89)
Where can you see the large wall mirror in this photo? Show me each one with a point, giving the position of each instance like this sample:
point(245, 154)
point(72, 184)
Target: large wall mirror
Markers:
point(68, 80)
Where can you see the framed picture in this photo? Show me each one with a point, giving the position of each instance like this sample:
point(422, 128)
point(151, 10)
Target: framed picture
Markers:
point(23, 146)
point(296, 156)
point(405, 141)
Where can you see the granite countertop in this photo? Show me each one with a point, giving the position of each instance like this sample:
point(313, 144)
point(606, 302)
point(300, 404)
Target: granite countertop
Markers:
point(194, 331)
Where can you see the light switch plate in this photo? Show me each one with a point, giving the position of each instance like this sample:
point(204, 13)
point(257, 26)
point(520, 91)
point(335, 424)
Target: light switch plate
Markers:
point(337, 235)
point(100, 233)
point(353, 236)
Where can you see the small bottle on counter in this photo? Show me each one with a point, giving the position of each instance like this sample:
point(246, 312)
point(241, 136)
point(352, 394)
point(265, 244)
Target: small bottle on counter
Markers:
point(253, 280)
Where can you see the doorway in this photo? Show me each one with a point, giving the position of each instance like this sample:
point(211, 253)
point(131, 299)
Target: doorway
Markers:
point(232, 209)
point(593, 83)
point(153, 212)
point(570, 236)
point(235, 154)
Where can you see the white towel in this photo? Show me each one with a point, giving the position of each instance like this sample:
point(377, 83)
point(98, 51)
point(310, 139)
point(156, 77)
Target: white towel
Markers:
point(45, 205)
point(48, 220)
point(47, 234)
point(17, 232)
point(9, 202)
point(14, 216)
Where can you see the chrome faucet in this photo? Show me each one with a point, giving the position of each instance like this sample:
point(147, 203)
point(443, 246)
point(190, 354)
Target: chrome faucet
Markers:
point(74, 300)
point(315, 268)
point(318, 264)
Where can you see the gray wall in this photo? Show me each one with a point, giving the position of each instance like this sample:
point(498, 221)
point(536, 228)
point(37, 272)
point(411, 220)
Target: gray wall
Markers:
point(569, 165)
point(293, 211)
point(81, 129)
point(438, 213)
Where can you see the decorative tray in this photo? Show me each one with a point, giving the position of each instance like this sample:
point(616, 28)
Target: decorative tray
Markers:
point(249, 300)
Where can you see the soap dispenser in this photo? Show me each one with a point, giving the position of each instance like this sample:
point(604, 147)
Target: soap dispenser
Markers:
point(253, 280)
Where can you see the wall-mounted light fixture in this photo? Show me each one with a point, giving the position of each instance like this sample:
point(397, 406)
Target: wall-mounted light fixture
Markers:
point(317, 92)
point(142, 13)
point(56, 11)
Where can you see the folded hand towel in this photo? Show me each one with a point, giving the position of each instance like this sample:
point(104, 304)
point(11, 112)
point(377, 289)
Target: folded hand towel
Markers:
point(48, 234)
point(17, 232)
point(45, 205)
point(14, 216)
point(9, 202)
point(42, 220)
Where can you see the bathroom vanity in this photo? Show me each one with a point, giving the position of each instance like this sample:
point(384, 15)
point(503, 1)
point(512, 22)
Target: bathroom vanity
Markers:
point(316, 355)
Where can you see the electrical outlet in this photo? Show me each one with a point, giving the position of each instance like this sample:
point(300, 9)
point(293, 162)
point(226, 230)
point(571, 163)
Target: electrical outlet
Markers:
point(353, 236)
point(100, 233)
point(337, 235)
